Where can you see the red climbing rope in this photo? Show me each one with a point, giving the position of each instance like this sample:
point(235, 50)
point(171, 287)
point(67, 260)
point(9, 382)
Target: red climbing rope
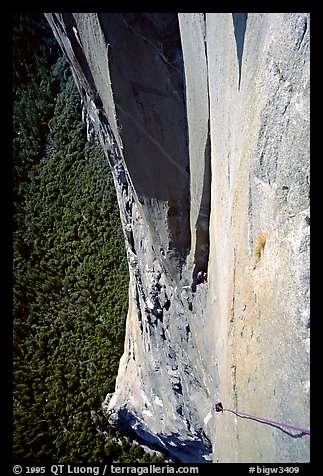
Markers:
point(219, 408)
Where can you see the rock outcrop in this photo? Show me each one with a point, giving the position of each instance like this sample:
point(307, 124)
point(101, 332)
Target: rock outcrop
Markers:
point(204, 118)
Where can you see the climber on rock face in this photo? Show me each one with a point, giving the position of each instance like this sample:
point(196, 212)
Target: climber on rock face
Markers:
point(153, 295)
point(218, 407)
point(201, 277)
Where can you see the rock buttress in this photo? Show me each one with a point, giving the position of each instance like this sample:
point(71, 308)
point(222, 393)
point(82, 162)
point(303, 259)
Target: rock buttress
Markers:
point(129, 70)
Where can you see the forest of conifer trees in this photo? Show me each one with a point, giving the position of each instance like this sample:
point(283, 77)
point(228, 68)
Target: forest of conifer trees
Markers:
point(70, 275)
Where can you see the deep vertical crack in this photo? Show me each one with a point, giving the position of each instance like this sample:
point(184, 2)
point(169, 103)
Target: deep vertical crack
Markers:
point(202, 225)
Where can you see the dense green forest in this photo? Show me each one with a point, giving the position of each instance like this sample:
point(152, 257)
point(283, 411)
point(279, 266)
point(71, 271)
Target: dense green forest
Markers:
point(70, 275)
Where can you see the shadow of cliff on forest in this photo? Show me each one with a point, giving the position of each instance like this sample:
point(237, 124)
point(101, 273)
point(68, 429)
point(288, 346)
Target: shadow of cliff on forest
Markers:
point(174, 444)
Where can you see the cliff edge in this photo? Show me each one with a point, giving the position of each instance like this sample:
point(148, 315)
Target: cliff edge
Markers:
point(204, 119)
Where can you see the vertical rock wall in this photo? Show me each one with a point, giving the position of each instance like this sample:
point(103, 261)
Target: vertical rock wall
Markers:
point(258, 68)
point(205, 121)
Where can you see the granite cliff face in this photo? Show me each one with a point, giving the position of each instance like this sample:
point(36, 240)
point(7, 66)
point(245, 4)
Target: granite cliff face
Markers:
point(204, 118)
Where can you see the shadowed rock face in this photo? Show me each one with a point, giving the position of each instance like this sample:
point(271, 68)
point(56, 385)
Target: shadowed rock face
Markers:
point(204, 119)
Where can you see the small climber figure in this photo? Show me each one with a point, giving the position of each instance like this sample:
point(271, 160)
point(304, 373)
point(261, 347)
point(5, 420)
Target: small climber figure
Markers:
point(153, 295)
point(218, 407)
point(201, 277)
